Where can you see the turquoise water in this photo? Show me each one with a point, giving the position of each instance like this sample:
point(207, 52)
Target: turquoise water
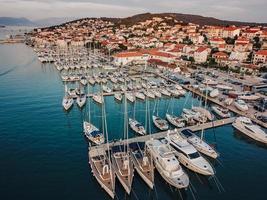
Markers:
point(44, 153)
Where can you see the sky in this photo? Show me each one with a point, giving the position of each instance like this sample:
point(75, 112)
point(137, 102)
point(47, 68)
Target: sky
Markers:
point(240, 10)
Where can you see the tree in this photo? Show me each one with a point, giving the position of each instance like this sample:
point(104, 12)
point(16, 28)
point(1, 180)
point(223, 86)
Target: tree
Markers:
point(191, 59)
point(263, 69)
point(212, 62)
point(249, 58)
point(205, 38)
point(257, 44)
point(214, 50)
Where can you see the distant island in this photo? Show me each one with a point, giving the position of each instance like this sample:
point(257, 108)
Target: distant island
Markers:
point(11, 21)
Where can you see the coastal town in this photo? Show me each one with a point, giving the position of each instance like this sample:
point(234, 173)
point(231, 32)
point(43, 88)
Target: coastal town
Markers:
point(156, 59)
point(159, 105)
point(164, 41)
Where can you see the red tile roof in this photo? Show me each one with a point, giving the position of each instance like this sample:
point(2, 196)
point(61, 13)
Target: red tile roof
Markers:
point(261, 52)
point(128, 54)
point(201, 49)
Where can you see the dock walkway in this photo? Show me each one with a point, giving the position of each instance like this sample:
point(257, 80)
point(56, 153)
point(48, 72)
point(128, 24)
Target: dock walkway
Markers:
point(96, 150)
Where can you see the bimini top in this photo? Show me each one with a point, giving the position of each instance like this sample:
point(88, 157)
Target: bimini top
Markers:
point(96, 133)
point(187, 132)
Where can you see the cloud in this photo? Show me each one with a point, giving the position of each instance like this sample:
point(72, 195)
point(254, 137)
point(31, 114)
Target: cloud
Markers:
point(244, 10)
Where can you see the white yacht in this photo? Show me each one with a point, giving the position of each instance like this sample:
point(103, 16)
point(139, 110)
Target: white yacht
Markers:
point(81, 100)
point(222, 112)
point(241, 105)
point(118, 96)
point(113, 80)
point(156, 93)
point(140, 95)
point(137, 127)
point(91, 80)
point(92, 133)
point(164, 92)
point(197, 116)
point(204, 112)
point(167, 164)
point(199, 144)
point(210, 82)
point(188, 155)
point(175, 121)
point(214, 93)
point(83, 81)
point(247, 127)
point(149, 94)
point(228, 101)
point(67, 102)
point(130, 97)
point(107, 89)
point(98, 98)
point(161, 124)
point(249, 97)
point(174, 92)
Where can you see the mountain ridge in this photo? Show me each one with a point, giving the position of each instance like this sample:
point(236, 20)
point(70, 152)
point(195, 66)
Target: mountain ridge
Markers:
point(186, 18)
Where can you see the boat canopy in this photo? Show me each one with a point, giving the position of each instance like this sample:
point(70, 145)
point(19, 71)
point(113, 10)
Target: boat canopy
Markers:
point(187, 132)
point(96, 133)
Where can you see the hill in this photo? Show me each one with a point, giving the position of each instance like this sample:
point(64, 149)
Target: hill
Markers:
point(186, 18)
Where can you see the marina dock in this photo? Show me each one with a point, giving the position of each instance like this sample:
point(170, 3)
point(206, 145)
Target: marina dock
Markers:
point(98, 150)
point(217, 101)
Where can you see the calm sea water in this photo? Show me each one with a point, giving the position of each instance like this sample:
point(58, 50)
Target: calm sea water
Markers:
point(44, 153)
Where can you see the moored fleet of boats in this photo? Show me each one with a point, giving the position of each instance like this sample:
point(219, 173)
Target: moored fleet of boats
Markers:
point(180, 149)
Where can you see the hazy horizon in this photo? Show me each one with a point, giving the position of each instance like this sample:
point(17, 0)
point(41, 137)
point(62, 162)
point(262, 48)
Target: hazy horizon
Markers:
point(236, 10)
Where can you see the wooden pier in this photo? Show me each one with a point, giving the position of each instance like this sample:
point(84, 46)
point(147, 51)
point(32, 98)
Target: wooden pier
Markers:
point(97, 150)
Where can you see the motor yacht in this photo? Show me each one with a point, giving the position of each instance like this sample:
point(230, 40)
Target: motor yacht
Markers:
point(167, 164)
point(247, 127)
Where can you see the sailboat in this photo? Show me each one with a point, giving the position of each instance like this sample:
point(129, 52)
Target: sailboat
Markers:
point(101, 164)
point(160, 123)
point(143, 163)
point(92, 133)
point(67, 101)
point(107, 89)
point(199, 143)
point(81, 99)
point(140, 95)
point(222, 112)
point(178, 122)
point(130, 97)
point(98, 98)
point(118, 96)
point(135, 125)
point(121, 160)
point(204, 112)
point(165, 92)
